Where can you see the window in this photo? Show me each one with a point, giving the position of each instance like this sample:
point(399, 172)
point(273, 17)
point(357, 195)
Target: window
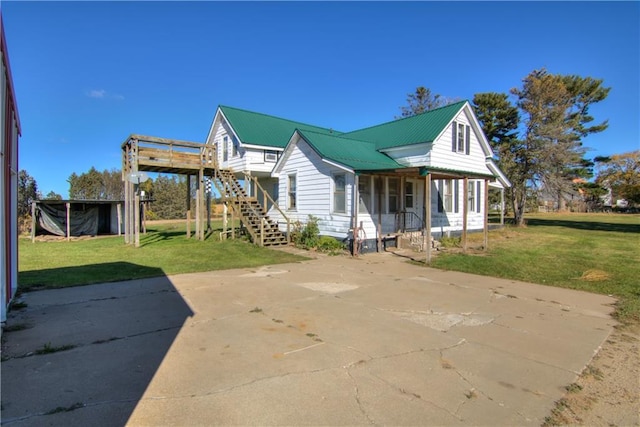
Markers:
point(339, 199)
point(364, 188)
point(225, 148)
point(478, 197)
point(408, 195)
point(291, 192)
point(461, 138)
point(393, 195)
point(270, 156)
point(471, 197)
point(448, 195)
point(234, 146)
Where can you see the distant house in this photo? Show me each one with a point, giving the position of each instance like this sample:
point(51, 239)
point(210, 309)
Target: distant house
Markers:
point(377, 176)
point(10, 131)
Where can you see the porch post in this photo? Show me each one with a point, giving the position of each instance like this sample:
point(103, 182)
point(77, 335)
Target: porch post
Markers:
point(486, 215)
point(465, 201)
point(379, 226)
point(354, 218)
point(68, 221)
point(427, 221)
point(502, 206)
point(136, 216)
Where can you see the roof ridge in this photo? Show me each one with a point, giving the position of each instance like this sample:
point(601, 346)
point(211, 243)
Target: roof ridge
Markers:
point(339, 135)
point(274, 117)
point(410, 117)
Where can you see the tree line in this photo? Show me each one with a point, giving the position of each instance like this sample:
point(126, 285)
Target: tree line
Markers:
point(536, 133)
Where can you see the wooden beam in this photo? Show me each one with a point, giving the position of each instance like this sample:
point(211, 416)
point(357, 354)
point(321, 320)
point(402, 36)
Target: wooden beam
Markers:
point(119, 213)
point(379, 225)
point(136, 216)
point(427, 222)
point(33, 222)
point(486, 214)
point(188, 206)
point(68, 221)
point(465, 202)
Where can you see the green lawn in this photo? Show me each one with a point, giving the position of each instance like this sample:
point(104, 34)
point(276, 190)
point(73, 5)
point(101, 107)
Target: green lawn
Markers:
point(592, 252)
point(163, 250)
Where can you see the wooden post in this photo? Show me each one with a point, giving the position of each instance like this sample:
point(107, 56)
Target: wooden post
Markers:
point(188, 206)
point(33, 222)
point(233, 224)
point(354, 219)
point(131, 216)
point(68, 221)
point(119, 214)
point(198, 191)
point(465, 202)
point(486, 214)
point(261, 231)
point(201, 210)
point(224, 220)
point(379, 226)
point(143, 213)
point(136, 216)
point(427, 217)
point(502, 206)
point(125, 172)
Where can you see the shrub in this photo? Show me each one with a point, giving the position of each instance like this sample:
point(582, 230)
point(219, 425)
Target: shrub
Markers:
point(330, 245)
point(306, 235)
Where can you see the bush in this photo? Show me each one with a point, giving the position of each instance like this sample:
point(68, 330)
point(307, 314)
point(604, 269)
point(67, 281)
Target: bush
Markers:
point(330, 245)
point(306, 235)
point(450, 242)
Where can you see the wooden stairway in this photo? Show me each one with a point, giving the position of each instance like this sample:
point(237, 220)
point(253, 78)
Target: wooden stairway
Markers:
point(263, 230)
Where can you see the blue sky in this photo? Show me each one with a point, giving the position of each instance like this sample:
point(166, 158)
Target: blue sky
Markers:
point(88, 74)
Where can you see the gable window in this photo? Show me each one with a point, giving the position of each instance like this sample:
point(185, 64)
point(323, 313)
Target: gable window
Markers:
point(460, 138)
point(393, 194)
point(225, 148)
point(408, 195)
point(291, 192)
point(339, 199)
point(364, 189)
point(270, 156)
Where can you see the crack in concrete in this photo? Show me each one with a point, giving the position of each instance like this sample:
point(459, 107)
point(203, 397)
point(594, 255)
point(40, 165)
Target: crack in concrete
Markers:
point(357, 397)
point(6, 421)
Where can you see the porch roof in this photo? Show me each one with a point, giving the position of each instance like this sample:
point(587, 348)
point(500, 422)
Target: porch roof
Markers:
point(262, 129)
point(355, 154)
point(416, 129)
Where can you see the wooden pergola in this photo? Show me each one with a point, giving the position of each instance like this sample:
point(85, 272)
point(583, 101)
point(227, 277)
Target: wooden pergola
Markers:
point(142, 153)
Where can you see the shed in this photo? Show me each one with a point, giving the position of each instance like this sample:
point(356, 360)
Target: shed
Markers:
point(77, 217)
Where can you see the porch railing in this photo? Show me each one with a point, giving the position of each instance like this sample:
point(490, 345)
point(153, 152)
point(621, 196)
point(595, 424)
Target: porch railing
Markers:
point(408, 221)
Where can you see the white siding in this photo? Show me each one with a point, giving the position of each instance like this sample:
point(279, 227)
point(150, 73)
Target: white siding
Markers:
point(443, 157)
point(443, 223)
point(314, 192)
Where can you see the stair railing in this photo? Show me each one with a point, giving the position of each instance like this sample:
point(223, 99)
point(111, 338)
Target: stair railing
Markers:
point(273, 203)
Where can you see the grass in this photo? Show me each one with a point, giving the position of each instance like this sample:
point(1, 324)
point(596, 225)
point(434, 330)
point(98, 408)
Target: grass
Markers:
point(163, 250)
point(591, 252)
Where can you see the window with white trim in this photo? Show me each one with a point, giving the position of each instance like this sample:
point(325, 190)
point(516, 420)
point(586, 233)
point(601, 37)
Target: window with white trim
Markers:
point(234, 146)
point(471, 196)
point(291, 192)
point(225, 148)
point(448, 195)
point(270, 156)
point(460, 138)
point(339, 193)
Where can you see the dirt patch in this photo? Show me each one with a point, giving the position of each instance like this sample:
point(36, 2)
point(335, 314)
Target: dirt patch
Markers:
point(595, 276)
point(607, 393)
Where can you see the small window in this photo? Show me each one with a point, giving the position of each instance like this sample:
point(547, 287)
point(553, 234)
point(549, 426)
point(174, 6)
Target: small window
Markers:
point(448, 195)
point(408, 195)
point(461, 138)
point(225, 148)
point(394, 195)
point(270, 156)
point(339, 199)
point(291, 192)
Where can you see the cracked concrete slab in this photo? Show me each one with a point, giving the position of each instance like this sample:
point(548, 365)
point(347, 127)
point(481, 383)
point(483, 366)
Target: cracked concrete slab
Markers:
point(332, 341)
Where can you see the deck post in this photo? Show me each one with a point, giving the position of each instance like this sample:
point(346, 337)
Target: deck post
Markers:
point(354, 218)
point(198, 207)
point(261, 232)
point(465, 202)
point(136, 216)
point(68, 221)
point(33, 222)
point(125, 171)
point(188, 206)
point(427, 217)
point(502, 206)
point(224, 220)
point(119, 214)
point(233, 224)
point(486, 215)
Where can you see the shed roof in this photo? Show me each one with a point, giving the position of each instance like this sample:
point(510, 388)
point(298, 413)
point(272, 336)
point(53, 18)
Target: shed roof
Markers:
point(262, 129)
point(352, 153)
point(416, 129)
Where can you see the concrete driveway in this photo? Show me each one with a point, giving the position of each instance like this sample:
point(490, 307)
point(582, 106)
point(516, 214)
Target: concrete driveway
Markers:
point(332, 341)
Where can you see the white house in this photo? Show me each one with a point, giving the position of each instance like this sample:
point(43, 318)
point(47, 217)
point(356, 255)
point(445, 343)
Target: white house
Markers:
point(378, 177)
point(9, 133)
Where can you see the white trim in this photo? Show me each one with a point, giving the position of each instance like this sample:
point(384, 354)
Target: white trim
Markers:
point(405, 147)
point(337, 165)
point(504, 181)
point(263, 147)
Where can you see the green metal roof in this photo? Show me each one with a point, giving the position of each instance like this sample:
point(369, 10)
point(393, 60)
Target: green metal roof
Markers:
point(416, 129)
point(354, 154)
point(262, 129)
